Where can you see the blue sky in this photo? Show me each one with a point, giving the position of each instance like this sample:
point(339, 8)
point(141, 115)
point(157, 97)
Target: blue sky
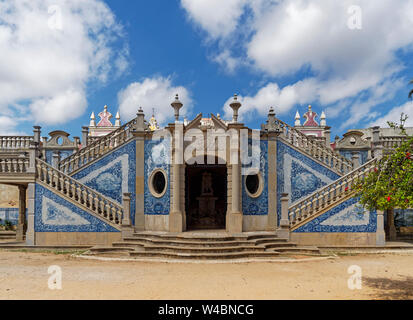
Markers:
point(63, 59)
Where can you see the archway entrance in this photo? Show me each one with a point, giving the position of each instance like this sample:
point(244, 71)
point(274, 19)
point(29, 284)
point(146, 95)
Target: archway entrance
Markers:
point(205, 196)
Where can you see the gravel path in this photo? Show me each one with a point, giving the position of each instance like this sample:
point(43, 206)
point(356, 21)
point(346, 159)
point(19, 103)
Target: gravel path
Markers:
point(24, 275)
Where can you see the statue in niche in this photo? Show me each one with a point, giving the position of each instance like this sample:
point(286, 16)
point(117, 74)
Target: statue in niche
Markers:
point(207, 184)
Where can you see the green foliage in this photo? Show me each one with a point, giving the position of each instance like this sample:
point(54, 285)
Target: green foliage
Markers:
point(390, 185)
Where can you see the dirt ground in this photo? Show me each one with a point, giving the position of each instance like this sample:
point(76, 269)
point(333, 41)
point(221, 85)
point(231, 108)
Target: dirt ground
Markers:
point(24, 275)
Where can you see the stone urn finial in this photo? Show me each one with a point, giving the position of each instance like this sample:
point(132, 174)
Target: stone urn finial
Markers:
point(235, 105)
point(177, 105)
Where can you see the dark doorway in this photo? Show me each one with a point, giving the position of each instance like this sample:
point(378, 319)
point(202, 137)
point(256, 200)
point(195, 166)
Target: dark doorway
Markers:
point(206, 196)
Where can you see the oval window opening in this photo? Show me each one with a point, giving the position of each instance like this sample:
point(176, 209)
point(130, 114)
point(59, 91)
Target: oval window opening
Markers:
point(252, 183)
point(159, 182)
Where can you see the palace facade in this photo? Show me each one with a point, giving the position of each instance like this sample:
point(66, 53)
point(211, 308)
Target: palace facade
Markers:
point(203, 174)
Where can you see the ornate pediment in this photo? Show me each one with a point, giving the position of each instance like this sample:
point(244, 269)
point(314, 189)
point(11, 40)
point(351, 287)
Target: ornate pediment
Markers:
point(353, 140)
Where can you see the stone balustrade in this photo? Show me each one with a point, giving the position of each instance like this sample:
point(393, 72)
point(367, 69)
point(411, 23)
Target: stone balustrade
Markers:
point(329, 195)
point(389, 143)
point(15, 143)
point(98, 148)
point(14, 165)
point(314, 148)
point(81, 194)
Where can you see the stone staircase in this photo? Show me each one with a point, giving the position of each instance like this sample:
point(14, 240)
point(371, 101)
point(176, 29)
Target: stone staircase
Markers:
point(325, 198)
point(7, 235)
point(97, 148)
point(314, 149)
point(202, 246)
point(79, 194)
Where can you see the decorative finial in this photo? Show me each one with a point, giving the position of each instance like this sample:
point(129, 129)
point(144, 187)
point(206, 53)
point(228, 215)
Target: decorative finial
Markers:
point(117, 122)
point(323, 121)
point(235, 105)
point(297, 119)
point(92, 120)
point(177, 105)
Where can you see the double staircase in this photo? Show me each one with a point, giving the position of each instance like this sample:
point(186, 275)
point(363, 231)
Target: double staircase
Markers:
point(329, 196)
point(203, 246)
point(97, 148)
point(316, 150)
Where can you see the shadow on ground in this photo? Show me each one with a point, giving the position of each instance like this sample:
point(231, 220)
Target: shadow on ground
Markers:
point(400, 289)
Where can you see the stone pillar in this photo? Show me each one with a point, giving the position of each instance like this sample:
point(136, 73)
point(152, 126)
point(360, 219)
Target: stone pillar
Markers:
point(327, 135)
point(272, 182)
point(176, 217)
point(377, 146)
point(30, 234)
point(127, 229)
point(234, 217)
point(85, 135)
point(77, 142)
point(21, 225)
point(355, 159)
point(140, 182)
point(32, 158)
point(140, 171)
point(55, 159)
point(380, 233)
point(284, 230)
point(36, 134)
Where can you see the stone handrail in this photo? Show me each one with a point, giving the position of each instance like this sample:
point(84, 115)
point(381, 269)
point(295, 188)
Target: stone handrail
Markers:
point(392, 142)
point(97, 148)
point(79, 193)
point(327, 196)
point(14, 165)
point(314, 148)
point(15, 143)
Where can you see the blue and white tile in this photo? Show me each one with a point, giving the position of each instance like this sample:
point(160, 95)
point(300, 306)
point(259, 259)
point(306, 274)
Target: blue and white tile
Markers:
point(349, 216)
point(55, 214)
point(157, 156)
point(298, 175)
point(259, 205)
point(113, 175)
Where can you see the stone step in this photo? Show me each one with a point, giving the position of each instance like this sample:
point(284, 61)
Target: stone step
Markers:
point(213, 237)
point(204, 256)
point(271, 245)
point(7, 235)
point(110, 249)
point(298, 250)
point(195, 250)
point(185, 238)
point(180, 243)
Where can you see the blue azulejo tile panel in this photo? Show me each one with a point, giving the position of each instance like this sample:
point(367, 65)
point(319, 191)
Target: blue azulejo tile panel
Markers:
point(10, 214)
point(299, 175)
point(55, 214)
point(348, 216)
point(113, 175)
point(63, 155)
point(259, 205)
point(157, 156)
point(362, 155)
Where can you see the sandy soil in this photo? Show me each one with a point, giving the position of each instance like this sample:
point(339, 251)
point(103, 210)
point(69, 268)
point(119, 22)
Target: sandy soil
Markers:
point(24, 276)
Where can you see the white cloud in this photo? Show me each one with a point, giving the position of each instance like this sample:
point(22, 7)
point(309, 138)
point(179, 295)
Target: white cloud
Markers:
point(218, 17)
point(342, 66)
point(394, 116)
point(157, 93)
point(48, 57)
